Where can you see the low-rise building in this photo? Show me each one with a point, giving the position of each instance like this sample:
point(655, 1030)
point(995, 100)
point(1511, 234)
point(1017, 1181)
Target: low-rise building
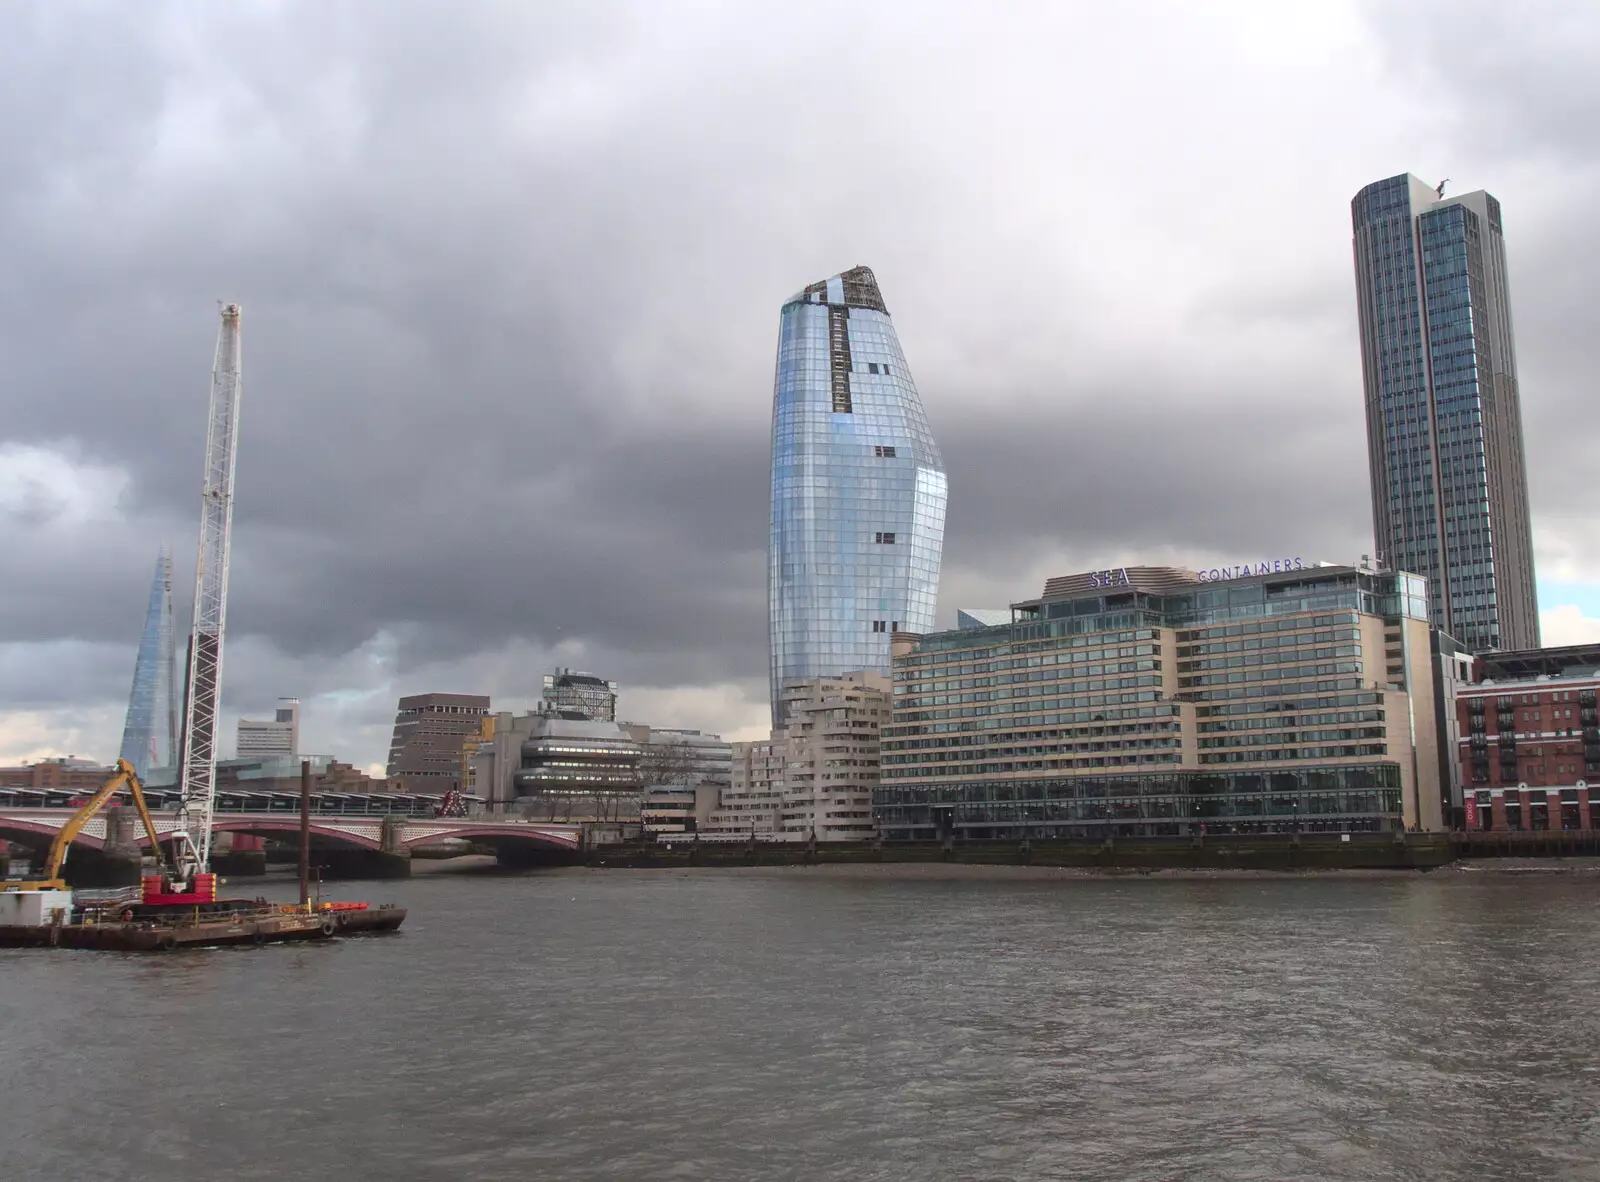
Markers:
point(751, 807)
point(683, 774)
point(67, 772)
point(1529, 741)
point(1155, 701)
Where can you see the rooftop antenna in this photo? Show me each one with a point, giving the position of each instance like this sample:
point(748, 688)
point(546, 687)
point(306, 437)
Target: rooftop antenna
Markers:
point(1439, 192)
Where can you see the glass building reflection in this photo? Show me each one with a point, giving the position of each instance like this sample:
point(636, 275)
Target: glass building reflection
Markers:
point(858, 488)
point(1444, 414)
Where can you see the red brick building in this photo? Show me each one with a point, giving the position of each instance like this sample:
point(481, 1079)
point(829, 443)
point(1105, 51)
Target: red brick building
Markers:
point(56, 773)
point(1530, 742)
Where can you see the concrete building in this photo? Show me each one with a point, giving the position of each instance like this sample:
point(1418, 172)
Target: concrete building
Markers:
point(1444, 411)
point(683, 774)
point(430, 732)
point(579, 695)
point(814, 778)
point(751, 807)
point(1150, 701)
point(577, 770)
point(858, 488)
point(279, 735)
point(1529, 741)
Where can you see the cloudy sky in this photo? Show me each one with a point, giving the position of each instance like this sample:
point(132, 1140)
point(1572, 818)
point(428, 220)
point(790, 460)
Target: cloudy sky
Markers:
point(511, 276)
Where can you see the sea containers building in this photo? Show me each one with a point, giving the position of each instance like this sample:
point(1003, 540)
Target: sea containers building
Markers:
point(858, 489)
point(1157, 702)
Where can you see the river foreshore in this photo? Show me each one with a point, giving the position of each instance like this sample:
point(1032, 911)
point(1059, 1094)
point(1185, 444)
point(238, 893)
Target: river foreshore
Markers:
point(971, 872)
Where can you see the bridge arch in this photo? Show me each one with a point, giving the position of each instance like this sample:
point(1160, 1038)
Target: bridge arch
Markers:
point(289, 825)
point(41, 833)
point(497, 836)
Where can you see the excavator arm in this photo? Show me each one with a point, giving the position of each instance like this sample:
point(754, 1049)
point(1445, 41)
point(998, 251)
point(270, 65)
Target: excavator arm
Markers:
point(125, 777)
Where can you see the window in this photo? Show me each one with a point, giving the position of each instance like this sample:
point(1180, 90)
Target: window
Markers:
point(880, 625)
point(886, 452)
point(872, 367)
point(885, 539)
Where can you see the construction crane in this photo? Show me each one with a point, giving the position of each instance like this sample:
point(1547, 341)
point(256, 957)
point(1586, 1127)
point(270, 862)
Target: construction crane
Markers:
point(197, 769)
point(124, 778)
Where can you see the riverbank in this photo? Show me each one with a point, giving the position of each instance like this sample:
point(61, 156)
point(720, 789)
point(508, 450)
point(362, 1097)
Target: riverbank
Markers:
point(1230, 853)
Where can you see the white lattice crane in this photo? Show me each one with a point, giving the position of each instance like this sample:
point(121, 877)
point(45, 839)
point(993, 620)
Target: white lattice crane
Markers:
point(198, 769)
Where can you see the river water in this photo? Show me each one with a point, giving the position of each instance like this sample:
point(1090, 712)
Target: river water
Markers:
point(809, 1024)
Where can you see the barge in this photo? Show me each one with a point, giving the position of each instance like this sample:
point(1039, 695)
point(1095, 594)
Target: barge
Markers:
point(167, 912)
point(126, 922)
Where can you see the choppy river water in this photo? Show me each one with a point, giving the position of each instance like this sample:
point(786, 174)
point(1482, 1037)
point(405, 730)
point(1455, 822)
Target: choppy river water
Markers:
point(818, 1025)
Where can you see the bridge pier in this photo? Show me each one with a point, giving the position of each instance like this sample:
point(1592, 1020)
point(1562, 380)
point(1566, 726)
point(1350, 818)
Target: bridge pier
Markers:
point(533, 857)
point(119, 862)
point(392, 858)
point(238, 855)
point(350, 863)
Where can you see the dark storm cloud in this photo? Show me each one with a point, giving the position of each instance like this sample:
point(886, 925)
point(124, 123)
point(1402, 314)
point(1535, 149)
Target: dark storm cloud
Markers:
point(511, 276)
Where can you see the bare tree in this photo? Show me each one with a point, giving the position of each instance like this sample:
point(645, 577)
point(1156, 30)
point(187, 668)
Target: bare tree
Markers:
point(668, 765)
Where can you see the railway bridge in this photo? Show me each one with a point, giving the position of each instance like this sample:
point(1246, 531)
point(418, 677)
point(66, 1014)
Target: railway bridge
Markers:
point(362, 844)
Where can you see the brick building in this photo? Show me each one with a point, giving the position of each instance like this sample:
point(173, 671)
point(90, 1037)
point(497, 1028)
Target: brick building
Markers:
point(1529, 747)
point(56, 773)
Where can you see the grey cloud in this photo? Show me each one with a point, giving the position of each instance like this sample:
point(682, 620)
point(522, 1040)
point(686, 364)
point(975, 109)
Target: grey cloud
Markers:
point(511, 276)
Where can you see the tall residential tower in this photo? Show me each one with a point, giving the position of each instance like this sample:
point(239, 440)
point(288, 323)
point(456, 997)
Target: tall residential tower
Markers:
point(1444, 416)
point(858, 488)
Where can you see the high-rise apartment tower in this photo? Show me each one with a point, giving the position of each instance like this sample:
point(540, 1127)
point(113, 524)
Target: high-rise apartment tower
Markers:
point(1444, 416)
point(858, 488)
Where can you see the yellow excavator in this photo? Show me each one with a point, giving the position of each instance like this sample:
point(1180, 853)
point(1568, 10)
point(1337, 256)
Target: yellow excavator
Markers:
point(125, 778)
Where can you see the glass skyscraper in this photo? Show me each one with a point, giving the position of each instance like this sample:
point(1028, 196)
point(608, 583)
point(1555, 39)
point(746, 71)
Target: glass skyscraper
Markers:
point(150, 732)
point(1444, 416)
point(858, 488)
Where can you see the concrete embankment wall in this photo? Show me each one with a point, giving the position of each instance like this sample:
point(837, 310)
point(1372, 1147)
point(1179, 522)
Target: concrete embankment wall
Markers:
point(1386, 852)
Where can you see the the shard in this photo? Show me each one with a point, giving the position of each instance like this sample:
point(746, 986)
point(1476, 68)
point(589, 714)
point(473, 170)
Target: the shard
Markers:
point(858, 488)
point(149, 736)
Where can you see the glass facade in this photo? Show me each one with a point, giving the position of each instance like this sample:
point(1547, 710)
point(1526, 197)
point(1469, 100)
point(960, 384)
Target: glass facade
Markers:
point(1268, 704)
point(1444, 417)
point(858, 488)
point(150, 732)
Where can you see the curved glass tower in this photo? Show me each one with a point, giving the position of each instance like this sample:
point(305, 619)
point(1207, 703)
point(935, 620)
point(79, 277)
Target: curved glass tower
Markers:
point(858, 488)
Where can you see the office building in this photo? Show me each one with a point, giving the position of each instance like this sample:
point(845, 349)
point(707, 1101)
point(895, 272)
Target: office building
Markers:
point(430, 731)
point(814, 778)
point(1529, 742)
point(1444, 413)
point(682, 774)
point(579, 695)
point(858, 488)
point(150, 731)
point(573, 769)
point(279, 735)
point(1158, 702)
